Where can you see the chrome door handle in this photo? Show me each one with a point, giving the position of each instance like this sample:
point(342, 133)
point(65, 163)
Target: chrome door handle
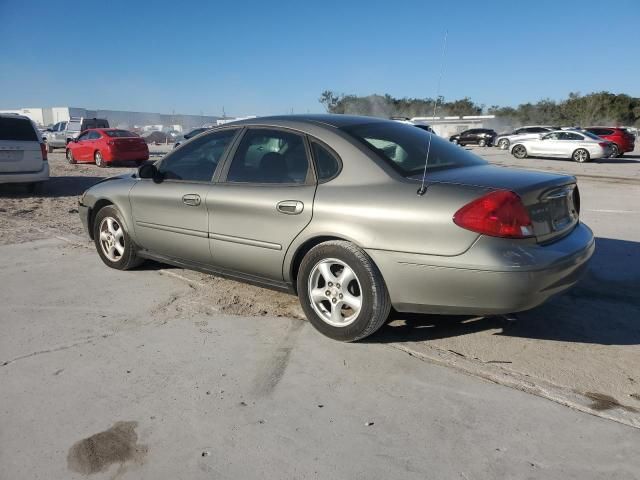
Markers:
point(191, 199)
point(290, 207)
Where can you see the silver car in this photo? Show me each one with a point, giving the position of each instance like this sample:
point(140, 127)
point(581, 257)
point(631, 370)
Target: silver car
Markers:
point(581, 146)
point(338, 209)
point(503, 141)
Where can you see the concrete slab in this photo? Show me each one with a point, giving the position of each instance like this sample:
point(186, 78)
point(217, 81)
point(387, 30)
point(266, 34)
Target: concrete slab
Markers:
point(158, 388)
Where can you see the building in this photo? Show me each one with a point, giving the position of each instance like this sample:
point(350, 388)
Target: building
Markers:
point(447, 126)
point(45, 116)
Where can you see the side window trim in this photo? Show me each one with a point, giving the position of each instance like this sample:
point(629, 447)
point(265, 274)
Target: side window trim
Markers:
point(311, 172)
point(221, 163)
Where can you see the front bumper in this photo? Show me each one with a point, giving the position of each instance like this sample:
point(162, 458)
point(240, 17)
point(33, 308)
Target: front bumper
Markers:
point(495, 276)
point(26, 177)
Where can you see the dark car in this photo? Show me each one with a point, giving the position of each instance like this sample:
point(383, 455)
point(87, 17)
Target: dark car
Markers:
point(622, 140)
point(191, 134)
point(476, 136)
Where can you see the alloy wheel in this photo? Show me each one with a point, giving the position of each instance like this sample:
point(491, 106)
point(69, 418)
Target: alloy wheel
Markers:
point(503, 144)
point(581, 155)
point(112, 239)
point(335, 292)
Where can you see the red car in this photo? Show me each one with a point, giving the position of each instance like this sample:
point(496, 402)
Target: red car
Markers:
point(103, 146)
point(622, 140)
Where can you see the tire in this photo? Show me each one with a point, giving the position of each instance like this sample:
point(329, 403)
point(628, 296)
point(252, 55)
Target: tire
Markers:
point(519, 151)
point(366, 291)
point(581, 155)
point(69, 155)
point(482, 142)
point(109, 221)
point(615, 151)
point(621, 154)
point(503, 144)
point(97, 157)
point(139, 163)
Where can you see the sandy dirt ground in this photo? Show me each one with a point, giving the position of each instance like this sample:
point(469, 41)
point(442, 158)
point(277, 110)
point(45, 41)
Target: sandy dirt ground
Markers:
point(580, 349)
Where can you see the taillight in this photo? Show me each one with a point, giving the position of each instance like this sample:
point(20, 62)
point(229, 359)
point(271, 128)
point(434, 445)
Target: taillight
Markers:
point(43, 149)
point(603, 144)
point(498, 214)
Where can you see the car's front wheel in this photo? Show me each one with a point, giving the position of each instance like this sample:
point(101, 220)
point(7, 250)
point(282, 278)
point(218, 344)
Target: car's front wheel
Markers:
point(519, 151)
point(342, 292)
point(70, 158)
point(482, 142)
point(580, 155)
point(112, 240)
point(503, 144)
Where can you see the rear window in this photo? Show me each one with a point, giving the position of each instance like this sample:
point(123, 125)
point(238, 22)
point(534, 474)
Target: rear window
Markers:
point(94, 123)
point(18, 129)
point(405, 147)
point(120, 133)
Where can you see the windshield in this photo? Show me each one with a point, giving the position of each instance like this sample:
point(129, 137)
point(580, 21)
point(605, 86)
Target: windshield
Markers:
point(405, 147)
point(120, 133)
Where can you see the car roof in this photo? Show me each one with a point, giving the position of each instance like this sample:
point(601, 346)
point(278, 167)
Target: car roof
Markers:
point(14, 115)
point(327, 119)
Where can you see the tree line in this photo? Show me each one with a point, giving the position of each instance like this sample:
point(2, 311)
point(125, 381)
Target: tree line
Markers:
point(604, 108)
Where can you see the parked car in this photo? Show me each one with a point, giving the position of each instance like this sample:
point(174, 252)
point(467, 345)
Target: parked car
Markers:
point(504, 140)
point(331, 207)
point(191, 134)
point(622, 140)
point(476, 136)
point(579, 146)
point(23, 155)
point(103, 146)
point(63, 132)
point(408, 121)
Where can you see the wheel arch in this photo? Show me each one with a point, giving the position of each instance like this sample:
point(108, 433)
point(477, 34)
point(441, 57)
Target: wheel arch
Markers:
point(93, 211)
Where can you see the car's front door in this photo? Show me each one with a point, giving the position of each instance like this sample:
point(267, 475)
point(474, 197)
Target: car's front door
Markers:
point(549, 144)
point(263, 201)
point(80, 147)
point(170, 217)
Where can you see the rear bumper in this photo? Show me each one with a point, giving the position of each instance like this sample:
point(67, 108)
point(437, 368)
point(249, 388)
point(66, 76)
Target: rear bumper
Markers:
point(26, 177)
point(118, 156)
point(494, 276)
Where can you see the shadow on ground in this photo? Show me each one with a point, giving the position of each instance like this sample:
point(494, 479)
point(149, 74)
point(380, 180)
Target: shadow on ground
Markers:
point(604, 308)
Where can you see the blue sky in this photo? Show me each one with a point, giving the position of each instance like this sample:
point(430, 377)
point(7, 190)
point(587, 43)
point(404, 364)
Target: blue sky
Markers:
point(259, 57)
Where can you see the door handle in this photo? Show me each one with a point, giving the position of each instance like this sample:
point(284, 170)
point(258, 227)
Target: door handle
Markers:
point(290, 207)
point(191, 199)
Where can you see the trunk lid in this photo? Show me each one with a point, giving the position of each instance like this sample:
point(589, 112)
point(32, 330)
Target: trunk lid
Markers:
point(129, 144)
point(552, 200)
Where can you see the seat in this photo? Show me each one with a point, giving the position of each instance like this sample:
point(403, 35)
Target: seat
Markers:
point(273, 168)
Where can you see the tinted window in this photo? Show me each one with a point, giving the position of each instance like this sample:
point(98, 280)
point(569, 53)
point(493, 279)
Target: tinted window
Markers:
point(327, 164)
point(270, 156)
point(83, 136)
point(405, 147)
point(93, 135)
point(197, 161)
point(120, 133)
point(19, 129)
point(195, 132)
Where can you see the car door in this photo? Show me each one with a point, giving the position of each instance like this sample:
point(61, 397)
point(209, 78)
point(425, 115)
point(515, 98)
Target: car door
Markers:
point(89, 145)
point(468, 136)
point(80, 147)
point(263, 201)
point(170, 217)
point(548, 145)
point(570, 142)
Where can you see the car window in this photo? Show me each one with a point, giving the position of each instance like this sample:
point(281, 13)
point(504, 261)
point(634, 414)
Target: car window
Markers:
point(83, 136)
point(197, 161)
point(120, 133)
point(18, 129)
point(589, 135)
point(93, 135)
point(270, 156)
point(327, 165)
point(405, 147)
point(552, 136)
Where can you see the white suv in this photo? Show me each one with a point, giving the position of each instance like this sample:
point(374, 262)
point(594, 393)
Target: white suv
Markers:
point(23, 154)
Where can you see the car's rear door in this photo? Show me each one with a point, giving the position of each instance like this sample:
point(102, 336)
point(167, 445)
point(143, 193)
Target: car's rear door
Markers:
point(263, 201)
point(19, 145)
point(170, 217)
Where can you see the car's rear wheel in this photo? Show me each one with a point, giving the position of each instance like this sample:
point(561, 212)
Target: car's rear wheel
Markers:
point(112, 240)
point(99, 160)
point(615, 151)
point(580, 155)
point(69, 155)
point(342, 292)
point(519, 151)
point(482, 142)
point(503, 144)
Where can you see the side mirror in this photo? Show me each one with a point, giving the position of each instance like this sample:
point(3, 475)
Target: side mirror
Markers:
point(74, 140)
point(149, 170)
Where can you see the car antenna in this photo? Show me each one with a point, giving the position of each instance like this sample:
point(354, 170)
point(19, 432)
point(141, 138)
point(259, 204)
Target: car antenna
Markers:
point(422, 190)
